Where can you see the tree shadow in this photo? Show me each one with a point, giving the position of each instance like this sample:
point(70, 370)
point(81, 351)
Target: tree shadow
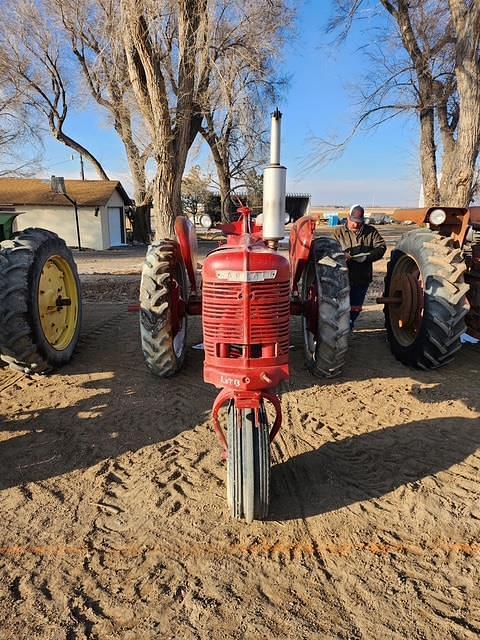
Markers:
point(108, 404)
point(119, 406)
point(369, 465)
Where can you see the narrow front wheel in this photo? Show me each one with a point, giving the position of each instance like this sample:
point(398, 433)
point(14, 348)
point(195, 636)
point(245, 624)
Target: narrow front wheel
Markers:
point(248, 463)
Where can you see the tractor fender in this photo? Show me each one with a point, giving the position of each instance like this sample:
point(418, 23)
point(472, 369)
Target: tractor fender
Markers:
point(187, 240)
point(301, 239)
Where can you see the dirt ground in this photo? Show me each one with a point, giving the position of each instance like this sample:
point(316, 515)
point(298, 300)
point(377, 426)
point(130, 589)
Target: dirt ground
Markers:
point(114, 522)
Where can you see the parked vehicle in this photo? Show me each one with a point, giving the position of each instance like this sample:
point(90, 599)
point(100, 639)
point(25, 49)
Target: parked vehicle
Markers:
point(432, 286)
point(40, 304)
point(381, 219)
point(247, 294)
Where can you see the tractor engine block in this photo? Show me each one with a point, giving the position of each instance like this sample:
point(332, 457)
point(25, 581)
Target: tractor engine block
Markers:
point(246, 316)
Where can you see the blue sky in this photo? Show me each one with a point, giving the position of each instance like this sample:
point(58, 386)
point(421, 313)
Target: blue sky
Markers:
point(377, 168)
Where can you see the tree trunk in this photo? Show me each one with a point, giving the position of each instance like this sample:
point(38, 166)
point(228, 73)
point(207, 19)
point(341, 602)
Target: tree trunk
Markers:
point(167, 202)
point(170, 125)
point(141, 224)
point(142, 231)
point(458, 178)
point(428, 161)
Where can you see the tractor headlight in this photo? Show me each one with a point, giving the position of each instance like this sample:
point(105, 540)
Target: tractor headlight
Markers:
point(437, 217)
point(206, 221)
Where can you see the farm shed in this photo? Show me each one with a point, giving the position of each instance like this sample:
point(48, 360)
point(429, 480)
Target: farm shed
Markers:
point(101, 209)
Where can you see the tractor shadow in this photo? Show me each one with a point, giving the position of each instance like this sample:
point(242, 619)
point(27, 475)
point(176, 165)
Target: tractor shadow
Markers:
point(369, 465)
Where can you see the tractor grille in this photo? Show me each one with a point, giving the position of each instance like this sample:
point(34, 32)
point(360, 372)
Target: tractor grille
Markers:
point(246, 320)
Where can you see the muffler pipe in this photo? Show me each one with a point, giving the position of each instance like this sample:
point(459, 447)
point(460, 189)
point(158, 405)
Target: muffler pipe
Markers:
point(274, 188)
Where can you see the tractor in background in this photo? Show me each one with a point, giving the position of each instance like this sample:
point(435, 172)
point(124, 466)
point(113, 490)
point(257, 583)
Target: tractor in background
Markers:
point(40, 305)
point(246, 295)
point(432, 286)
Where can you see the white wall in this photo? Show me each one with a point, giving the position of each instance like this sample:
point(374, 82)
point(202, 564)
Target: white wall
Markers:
point(94, 229)
point(61, 220)
point(116, 200)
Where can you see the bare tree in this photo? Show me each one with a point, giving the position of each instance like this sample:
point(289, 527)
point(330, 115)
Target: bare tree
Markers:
point(17, 130)
point(35, 66)
point(193, 65)
point(92, 28)
point(195, 190)
point(244, 80)
point(432, 70)
point(237, 141)
point(166, 45)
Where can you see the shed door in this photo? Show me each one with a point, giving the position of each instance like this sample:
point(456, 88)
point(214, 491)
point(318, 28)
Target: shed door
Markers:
point(115, 225)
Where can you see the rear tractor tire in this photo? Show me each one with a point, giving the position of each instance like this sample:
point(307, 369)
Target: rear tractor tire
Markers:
point(163, 317)
point(425, 275)
point(40, 303)
point(326, 299)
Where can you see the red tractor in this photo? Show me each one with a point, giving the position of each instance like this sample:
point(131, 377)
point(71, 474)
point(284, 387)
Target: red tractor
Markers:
point(246, 294)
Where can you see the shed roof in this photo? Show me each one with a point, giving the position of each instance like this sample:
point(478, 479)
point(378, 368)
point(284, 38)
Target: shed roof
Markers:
point(34, 191)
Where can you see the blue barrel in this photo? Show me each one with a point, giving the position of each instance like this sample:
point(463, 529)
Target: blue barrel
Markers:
point(333, 220)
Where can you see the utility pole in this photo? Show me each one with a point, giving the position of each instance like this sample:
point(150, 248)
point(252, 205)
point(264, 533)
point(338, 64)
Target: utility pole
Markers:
point(82, 174)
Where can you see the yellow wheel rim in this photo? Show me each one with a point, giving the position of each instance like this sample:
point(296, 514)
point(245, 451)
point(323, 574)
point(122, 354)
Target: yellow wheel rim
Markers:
point(58, 302)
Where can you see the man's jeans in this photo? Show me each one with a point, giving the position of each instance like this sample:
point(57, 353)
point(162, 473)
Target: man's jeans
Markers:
point(357, 296)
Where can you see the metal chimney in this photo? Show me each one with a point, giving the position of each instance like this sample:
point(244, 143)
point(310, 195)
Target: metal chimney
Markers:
point(274, 187)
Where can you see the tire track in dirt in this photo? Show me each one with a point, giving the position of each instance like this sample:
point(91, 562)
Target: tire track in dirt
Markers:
point(371, 514)
point(10, 378)
point(286, 447)
point(106, 603)
point(363, 541)
point(96, 330)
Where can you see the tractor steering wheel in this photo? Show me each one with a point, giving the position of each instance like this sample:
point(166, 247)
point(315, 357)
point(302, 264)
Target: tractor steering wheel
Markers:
point(234, 198)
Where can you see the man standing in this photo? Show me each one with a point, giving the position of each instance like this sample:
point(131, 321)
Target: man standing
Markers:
point(363, 246)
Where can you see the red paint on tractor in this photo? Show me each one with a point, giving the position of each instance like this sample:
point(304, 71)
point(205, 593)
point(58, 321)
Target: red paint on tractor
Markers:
point(246, 314)
point(187, 239)
point(245, 400)
point(301, 238)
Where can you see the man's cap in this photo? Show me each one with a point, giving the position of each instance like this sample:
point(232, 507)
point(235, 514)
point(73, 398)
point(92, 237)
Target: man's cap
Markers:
point(356, 213)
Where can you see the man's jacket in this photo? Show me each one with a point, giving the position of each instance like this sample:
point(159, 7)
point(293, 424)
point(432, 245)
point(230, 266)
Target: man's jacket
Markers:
point(366, 240)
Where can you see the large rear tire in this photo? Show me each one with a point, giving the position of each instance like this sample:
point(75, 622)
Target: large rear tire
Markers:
point(425, 273)
point(326, 319)
point(40, 305)
point(248, 463)
point(163, 317)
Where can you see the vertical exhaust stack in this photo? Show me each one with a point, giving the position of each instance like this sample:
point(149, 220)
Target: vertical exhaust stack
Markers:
point(274, 188)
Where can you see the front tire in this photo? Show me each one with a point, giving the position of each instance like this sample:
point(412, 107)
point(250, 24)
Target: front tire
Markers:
point(40, 305)
point(248, 463)
point(425, 274)
point(163, 317)
point(326, 319)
